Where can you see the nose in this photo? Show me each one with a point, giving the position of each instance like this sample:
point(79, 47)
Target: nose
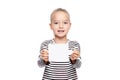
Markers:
point(61, 25)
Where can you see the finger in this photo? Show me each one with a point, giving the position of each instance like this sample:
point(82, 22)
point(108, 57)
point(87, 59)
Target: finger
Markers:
point(74, 56)
point(71, 57)
point(76, 53)
point(45, 50)
point(45, 58)
point(44, 53)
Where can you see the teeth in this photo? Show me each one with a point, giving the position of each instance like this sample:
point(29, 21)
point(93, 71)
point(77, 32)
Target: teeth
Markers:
point(60, 30)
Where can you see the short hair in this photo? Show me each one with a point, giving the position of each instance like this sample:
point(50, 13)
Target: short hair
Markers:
point(59, 9)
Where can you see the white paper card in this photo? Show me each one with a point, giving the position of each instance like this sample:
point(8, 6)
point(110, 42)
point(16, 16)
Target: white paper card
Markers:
point(59, 52)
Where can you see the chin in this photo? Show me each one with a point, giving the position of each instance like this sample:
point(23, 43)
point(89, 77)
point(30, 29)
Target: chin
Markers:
point(60, 36)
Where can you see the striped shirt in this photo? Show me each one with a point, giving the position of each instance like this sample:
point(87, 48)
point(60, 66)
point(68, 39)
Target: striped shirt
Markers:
point(60, 70)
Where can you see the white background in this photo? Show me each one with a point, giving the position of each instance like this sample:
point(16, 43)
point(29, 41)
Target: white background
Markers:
point(24, 25)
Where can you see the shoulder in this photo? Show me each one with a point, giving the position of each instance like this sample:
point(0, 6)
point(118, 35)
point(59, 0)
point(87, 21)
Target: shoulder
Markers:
point(47, 41)
point(44, 44)
point(74, 42)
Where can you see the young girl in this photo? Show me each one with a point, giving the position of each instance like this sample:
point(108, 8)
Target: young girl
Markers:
point(60, 24)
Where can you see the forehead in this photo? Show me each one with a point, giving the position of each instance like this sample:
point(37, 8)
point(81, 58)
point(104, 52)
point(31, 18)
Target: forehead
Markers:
point(60, 15)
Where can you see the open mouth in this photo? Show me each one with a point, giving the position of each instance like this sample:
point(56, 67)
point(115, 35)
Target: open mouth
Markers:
point(60, 30)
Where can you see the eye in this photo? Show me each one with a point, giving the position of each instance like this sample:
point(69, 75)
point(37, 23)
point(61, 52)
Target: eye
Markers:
point(55, 22)
point(65, 22)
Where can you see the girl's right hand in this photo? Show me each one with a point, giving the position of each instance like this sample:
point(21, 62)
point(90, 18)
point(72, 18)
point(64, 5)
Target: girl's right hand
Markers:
point(44, 55)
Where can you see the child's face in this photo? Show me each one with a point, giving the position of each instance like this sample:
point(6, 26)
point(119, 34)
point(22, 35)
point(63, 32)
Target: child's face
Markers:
point(60, 24)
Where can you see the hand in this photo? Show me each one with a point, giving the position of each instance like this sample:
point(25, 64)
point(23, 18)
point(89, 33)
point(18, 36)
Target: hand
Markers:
point(44, 55)
point(75, 55)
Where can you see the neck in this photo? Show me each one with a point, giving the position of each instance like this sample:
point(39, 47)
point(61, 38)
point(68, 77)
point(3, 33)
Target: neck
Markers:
point(60, 40)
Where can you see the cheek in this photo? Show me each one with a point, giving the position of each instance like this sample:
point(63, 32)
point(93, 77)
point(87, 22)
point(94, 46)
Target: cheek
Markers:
point(54, 30)
point(67, 28)
point(53, 27)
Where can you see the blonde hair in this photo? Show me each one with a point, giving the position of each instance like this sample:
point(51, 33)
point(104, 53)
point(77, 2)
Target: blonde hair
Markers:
point(59, 9)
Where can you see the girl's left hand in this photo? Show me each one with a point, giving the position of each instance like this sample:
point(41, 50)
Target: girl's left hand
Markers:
point(75, 55)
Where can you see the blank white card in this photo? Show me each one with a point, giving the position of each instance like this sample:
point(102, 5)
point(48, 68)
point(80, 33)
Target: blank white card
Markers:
point(59, 52)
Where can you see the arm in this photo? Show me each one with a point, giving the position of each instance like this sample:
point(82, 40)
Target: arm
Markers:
point(43, 57)
point(76, 63)
point(41, 62)
point(75, 56)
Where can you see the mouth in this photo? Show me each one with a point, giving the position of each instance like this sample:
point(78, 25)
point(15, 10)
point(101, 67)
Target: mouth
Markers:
point(60, 30)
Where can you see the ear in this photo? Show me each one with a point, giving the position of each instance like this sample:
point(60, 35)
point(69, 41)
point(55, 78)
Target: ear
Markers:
point(50, 26)
point(70, 25)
